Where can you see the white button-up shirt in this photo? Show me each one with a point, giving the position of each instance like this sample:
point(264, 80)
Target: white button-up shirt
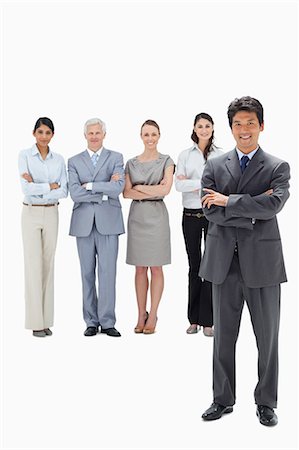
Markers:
point(43, 172)
point(191, 164)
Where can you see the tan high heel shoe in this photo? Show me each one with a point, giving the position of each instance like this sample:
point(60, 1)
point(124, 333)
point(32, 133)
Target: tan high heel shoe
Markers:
point(139, 330)
point(150, 330)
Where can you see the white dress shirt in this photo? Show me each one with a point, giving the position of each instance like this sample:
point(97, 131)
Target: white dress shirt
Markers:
point(191, 164)
point(43, 172)
point(250, 155)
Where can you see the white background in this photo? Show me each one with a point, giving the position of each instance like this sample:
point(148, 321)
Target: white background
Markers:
point(126, 62)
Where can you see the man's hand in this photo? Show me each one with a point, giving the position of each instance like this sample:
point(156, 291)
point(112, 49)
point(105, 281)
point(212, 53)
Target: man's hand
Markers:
point(27, 177)
point(269, 192)
point(115, 177)
point(213, 198)
point(54, 186)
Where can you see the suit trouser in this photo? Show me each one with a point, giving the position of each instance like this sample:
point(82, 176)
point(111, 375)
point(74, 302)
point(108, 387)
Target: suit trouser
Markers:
point(264, 308)
point(39, 232)
point(100, 250)
point(199, 291)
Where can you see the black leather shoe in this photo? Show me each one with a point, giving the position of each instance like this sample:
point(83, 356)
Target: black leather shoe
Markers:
point(266, 416)
point(215, 411)
point(91, 331)
point(111, 332)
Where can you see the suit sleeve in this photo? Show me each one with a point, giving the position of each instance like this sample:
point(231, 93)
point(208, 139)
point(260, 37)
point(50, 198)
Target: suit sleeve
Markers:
point(262, 206)
point(78, 193)
point(111, 188)
point(217, 214)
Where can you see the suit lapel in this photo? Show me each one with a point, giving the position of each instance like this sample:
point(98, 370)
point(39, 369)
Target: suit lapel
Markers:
point(87, 160)
point(255, 165)
point(233, 165)
point(103, 157)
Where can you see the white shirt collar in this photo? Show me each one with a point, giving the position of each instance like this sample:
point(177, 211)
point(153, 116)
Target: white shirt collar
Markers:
point(250, 155)
point(35, 151)
point(91, 153)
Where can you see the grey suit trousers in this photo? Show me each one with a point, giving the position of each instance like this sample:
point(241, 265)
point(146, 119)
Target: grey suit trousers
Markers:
point(264, 307)
point(101, 251)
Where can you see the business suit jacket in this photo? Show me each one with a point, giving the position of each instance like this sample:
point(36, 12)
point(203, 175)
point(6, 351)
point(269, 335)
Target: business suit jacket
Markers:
point(89, 207)
point(248, 220)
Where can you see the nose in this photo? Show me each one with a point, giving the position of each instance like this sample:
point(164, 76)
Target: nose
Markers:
point(244, 128)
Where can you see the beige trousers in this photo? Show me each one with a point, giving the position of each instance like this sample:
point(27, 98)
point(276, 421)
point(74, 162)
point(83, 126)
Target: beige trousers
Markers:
point(39, 231)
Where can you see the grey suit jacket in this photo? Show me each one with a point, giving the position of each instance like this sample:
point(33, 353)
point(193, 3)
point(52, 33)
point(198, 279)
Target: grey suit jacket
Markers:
point(89, 206)
point(258, 240)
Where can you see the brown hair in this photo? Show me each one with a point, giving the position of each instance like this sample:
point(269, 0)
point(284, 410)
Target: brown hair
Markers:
point(152, 123)
point(194, 136)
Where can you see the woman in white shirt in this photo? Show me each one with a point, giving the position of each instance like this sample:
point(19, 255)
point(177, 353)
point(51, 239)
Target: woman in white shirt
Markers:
point(189, 171)
point(44, 182)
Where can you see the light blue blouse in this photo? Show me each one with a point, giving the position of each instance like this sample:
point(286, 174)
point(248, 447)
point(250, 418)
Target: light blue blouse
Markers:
point(43, 172)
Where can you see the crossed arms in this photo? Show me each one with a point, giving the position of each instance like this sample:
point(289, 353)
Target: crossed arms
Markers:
point(111, 188)
point(239, 209)
point(144, 191)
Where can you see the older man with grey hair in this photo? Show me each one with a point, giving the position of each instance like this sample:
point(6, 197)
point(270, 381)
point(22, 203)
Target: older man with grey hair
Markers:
point(96, 178)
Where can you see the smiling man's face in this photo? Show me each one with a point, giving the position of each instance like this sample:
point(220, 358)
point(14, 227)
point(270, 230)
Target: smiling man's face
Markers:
point(246, 130)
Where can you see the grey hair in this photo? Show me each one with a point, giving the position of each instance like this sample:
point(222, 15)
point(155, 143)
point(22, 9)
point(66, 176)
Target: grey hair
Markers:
point(94, 121)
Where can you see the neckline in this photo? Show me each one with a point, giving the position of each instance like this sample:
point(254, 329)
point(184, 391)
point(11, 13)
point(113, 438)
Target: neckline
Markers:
point(151, 160)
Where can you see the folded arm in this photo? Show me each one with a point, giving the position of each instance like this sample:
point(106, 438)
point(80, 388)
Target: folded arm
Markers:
point(78, 193)
point(158, 190)
point(129, 192)
point(240, 207)
point(214, 212)
point(182, 183)
point(29, 187)
point(265, 205)
point(115, 185)
point(62, 190)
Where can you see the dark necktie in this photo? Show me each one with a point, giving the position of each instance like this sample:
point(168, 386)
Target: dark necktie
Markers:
point(243, 162)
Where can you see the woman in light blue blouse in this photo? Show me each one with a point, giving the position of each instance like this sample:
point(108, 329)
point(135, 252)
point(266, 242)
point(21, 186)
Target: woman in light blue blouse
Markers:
point(44, 182)
point(190, 167)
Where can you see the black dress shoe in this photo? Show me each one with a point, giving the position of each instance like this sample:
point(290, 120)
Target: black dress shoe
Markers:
point(215, 411)
point(91, 331)
point(266, 416)
point(111, 332)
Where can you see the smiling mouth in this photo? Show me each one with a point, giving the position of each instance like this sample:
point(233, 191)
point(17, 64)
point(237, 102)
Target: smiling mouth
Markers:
point(248, 136)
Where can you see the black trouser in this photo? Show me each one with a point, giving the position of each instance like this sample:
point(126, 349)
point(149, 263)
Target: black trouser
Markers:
point(199, 291)
point(264, 308)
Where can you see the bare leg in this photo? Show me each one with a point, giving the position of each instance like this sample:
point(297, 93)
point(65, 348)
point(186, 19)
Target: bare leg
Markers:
point(141, 287)
point(157, 286)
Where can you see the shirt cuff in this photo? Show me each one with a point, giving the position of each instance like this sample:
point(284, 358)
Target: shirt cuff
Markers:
point(89, 186)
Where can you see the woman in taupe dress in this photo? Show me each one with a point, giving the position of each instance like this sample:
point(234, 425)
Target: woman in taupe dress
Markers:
point(149, 178)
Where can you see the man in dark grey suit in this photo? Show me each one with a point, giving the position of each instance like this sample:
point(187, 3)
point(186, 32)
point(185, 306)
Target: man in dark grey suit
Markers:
point(96, 178)
point(243, 191)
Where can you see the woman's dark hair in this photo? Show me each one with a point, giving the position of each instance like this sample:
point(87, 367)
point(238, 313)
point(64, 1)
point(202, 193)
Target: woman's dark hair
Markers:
point(44, 121)
point(245, 104)
point(152, 123)
point(194, 136)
